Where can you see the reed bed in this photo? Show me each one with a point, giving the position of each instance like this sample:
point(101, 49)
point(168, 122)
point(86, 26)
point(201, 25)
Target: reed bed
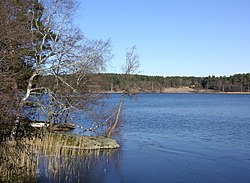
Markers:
point(17, 164)
point(68, 144)
point(51, 156)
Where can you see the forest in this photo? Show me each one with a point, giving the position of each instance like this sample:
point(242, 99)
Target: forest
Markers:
point(109, 82)
point(142, 83)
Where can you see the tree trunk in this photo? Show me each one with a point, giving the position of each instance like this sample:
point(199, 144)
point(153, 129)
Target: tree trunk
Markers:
point(111, 87)
point(112, 128)
point(20, 106)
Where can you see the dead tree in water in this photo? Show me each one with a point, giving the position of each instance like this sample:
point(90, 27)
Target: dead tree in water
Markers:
point(131, 67)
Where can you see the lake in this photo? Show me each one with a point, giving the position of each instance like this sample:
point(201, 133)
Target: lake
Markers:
point(175, 138)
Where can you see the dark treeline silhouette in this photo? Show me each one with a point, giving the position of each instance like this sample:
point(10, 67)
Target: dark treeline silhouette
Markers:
point(141, 83)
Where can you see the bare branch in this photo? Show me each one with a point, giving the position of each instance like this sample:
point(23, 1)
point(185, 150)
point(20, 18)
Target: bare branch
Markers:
point(132, 61)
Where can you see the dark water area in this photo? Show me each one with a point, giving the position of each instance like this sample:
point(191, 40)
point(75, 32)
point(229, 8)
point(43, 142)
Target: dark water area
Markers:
point(176, 138)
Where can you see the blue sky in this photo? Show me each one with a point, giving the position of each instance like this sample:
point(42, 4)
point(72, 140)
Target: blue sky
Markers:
point(173, 37)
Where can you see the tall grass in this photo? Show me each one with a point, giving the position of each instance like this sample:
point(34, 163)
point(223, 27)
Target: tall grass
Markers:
point(18, 164)
point(49, 156)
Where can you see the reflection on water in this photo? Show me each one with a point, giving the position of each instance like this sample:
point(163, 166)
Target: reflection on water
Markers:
point(94, 166)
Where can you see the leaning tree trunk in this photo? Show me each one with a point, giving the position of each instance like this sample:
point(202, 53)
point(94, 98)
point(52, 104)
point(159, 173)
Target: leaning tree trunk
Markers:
point(112, 128)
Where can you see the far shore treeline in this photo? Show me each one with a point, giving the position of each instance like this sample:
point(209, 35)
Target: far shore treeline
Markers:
point(110, 82)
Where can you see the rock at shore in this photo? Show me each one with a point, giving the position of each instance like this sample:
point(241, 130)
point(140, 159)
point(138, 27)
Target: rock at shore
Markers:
point(94, 143)
point(51, 142)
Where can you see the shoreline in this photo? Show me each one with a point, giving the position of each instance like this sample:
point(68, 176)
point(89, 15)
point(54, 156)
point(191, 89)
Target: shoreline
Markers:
point(178, 90)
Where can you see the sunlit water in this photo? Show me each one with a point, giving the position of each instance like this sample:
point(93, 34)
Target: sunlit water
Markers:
point(176, 138)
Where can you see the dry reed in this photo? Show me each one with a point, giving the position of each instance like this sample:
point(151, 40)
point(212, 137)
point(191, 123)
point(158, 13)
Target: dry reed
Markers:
point(56, 154)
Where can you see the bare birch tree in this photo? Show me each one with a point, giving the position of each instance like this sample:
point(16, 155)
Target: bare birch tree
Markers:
point(60, 52)
point(131, 67)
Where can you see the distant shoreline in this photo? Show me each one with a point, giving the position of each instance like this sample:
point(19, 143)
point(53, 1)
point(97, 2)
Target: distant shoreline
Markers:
point(180, 90)
point(240, 93)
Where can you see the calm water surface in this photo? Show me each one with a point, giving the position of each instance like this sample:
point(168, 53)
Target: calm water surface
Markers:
point(177, 138)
